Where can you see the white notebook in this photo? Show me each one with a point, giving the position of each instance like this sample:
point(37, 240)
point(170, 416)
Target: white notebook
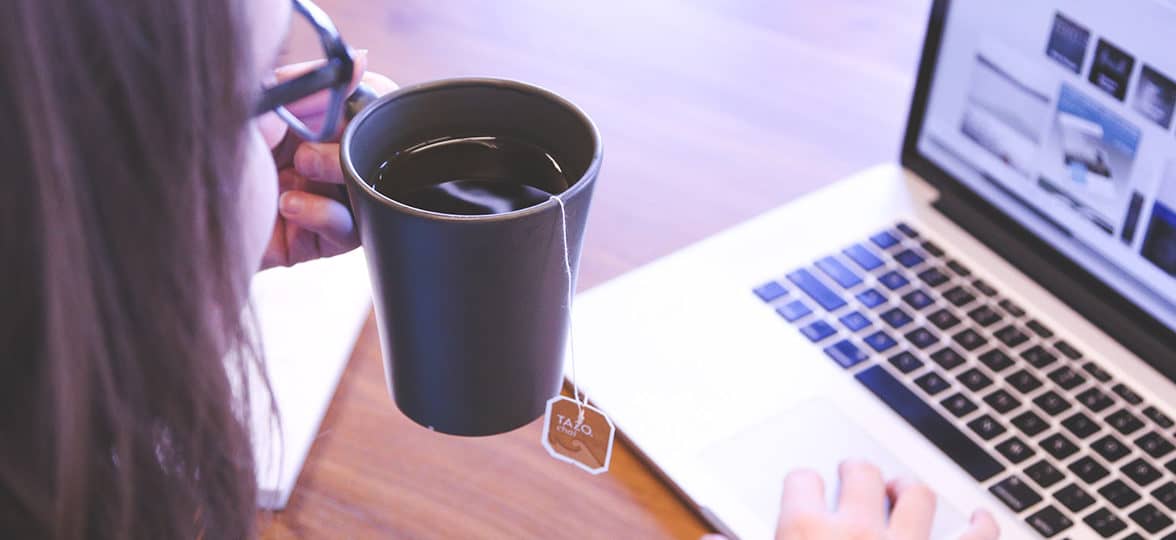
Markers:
point(309, 316)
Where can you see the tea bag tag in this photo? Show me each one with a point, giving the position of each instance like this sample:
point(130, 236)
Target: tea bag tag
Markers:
point(585, 442)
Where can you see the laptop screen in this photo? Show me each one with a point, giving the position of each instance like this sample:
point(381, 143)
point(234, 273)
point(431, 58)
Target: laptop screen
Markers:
point(1060, 114)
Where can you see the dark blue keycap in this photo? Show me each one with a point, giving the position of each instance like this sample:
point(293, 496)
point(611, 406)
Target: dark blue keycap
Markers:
point(770, 291)
point(906, 229)
point(862, 256)
point(917, 299)
point(793, 310)
point(871, 298)
point(908, 258)
point(854, 321)
point(880, 341)
point(884, 240)
point(842, 275)
point(896, 317)
point(892, 280)
point(817, 330)
point(922, 338)
point(845, 353)
point(925, 420)
point(816, 290)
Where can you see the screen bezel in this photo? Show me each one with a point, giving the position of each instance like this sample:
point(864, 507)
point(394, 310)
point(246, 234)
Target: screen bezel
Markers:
point(1115, 314)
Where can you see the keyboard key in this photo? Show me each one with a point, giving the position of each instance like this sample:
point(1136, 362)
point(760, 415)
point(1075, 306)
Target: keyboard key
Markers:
point(1049, 521)
point(922, 338)
point(1066, 378)
point(1074, 498)
point(943, 319)
point(1081, 426)
point(974, 379)
point(893, 280)
point(1043, 473)
point(838, 272)
point(817, 331)
point(1127, 394)
point(1051, 402)
point(1166, 494)
point(905, 362)
point(871, 298)
point(1097, 372)
point(1119, 493)
point(932, 383)
point(933, 277)
point(1124, 422)
point(1068, 350)
point(1105, 523)
point(1002, 401)
point(1015, 450)
point(1058, 446)
point(1110, 448)
point(969, 339)
point(1011, 308)
point(880, 341)
point(1154, 444)
point(1011, 336)
point(1023, 381)
point(854, 321)
point(1038, 357)
point(967, 454)
point(984, 287)
point(987, 427)
point(884, 240)
point(1040, 329)
point(959, 268)
point(932, 248)
point(1015, 493)
point(909, 258)
point(1029, 423)
point(917, 299)
point(816, 290)
point(793, 310)
point(1088, 469)
point(896, 317)
point(1094, 399)
point(770, 291)
point(1141, 472)
point(958, 296)
point(1150, 518)
point(985, 316)
point(863, 256)
point(846, 354)
point(1158, 417)
point(958, 405)
point(947, 358)
point(907, 230)
point(996, 360)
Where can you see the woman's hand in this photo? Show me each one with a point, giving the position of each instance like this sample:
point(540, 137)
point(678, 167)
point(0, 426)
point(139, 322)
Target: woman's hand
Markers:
point(861, 508)
point(313, 220)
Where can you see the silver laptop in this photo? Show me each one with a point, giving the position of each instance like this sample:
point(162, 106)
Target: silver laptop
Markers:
point(993, 314)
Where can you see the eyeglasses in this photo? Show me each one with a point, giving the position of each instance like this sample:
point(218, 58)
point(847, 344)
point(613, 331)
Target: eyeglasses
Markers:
point(334, 75)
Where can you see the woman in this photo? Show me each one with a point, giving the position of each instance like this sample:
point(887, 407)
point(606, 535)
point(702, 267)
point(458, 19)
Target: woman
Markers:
point(141, 193)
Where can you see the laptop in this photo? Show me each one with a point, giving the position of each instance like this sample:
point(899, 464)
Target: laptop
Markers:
point(993, 314)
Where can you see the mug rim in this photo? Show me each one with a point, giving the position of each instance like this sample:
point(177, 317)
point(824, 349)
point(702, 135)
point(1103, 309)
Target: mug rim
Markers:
point(352, 176)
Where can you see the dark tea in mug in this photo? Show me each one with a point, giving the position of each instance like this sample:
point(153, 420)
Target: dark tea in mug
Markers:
point(471, 175)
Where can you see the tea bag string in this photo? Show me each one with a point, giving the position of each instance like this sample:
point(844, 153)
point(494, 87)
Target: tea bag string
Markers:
point(563, 222)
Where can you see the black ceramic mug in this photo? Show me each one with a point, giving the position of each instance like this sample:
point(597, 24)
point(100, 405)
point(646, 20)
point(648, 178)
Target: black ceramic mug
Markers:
point(472, 310)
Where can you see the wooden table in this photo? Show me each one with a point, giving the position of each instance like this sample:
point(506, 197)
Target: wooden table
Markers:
point(711, 112)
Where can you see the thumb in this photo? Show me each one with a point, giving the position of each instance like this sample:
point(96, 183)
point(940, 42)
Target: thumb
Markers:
point(983, 527)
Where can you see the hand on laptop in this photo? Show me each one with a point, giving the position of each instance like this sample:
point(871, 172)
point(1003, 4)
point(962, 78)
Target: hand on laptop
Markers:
point(861, 508)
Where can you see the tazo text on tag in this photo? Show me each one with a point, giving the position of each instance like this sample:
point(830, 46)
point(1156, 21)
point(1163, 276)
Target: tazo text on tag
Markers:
point(586, 444)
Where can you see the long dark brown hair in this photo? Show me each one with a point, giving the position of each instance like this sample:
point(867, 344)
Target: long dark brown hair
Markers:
point(121, 284)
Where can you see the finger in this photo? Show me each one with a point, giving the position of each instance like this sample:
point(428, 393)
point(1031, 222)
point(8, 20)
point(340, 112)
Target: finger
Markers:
point(913, 509)
point(321, 215)
point(379, 83)
point(316, 103)
point(713, 537)
point(319, 162)
point(862, 497)
point(804, 495)
point(983, 527)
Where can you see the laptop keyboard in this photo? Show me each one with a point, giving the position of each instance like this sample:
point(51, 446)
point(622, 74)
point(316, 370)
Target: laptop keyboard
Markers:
point(1044, 428)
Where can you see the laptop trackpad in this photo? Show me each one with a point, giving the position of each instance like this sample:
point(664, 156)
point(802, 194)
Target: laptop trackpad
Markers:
point(814, 434)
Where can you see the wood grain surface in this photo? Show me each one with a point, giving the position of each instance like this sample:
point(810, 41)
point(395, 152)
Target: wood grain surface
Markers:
point(711, 112)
